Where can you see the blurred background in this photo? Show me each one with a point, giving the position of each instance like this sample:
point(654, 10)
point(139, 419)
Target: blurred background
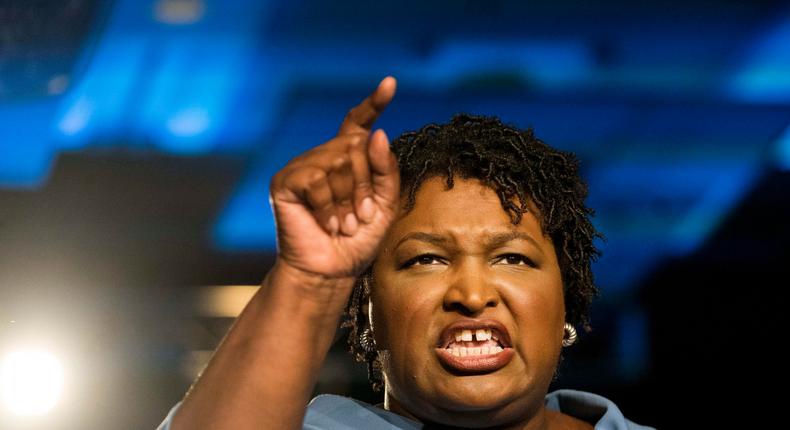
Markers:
point(138, 137)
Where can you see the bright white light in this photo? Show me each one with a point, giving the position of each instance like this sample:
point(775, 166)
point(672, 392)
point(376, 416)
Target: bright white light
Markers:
point(31, 382)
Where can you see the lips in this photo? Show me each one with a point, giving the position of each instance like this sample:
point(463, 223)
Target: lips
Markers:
point(475, 364)
point(465, 356)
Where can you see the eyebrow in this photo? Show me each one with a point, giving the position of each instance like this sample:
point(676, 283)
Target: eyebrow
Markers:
point(490, 241)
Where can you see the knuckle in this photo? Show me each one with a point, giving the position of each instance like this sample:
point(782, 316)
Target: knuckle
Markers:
point(277, 180)
point(364, 185)
point(341, 162)
point(316, 178)
point(344, 202)
point(296, 178)
point(325, 206)
point(356, 141)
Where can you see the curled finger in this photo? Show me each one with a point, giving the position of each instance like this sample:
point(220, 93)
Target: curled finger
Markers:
point(311, 184)
point(341, 180)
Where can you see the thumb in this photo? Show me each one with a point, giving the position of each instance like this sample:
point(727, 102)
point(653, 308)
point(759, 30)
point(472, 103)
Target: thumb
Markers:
point(384, 177)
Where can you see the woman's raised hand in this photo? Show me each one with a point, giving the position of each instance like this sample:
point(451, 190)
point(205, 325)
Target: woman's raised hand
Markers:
point(334, 203)
point(327, 234)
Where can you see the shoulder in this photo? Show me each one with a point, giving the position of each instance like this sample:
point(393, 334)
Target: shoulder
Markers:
point(591, 408)
point(329, 411)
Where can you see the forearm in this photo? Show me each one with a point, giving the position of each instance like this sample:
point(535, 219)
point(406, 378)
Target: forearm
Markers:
point(264, 371)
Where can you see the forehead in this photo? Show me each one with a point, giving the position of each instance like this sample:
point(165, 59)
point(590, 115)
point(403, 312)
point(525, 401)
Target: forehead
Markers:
point(469, 210)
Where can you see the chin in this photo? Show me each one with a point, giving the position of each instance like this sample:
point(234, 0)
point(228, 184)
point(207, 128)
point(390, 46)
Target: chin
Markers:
point(475, 393)
point(471, 401)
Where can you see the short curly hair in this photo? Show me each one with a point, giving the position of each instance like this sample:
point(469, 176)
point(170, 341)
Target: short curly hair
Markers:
point(514, 163)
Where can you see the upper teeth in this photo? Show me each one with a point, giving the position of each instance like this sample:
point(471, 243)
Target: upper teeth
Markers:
point(479, 334)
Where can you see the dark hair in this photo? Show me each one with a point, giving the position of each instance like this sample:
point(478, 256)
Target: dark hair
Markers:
point(514, 163)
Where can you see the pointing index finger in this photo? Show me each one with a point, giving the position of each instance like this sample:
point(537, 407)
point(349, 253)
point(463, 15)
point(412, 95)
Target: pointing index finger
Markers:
point(361, 118)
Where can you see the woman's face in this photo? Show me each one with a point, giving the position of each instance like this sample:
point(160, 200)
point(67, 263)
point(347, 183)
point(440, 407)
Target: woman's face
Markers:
point(446, 291)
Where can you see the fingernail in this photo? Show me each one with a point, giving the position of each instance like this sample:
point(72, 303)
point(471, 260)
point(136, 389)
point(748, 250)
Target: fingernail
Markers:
point(350, 224)
point(333, 224)
point(367, 210)
point(383, 135)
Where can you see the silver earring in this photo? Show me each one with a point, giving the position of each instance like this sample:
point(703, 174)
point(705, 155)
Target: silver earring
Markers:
point(367, 341)
point(570, 335)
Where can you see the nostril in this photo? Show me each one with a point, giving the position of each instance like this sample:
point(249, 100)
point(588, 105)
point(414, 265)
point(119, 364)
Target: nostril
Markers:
point(467, 310)
point(461, 309)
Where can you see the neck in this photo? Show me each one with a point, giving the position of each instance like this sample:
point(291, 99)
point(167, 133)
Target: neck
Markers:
point(540, 419)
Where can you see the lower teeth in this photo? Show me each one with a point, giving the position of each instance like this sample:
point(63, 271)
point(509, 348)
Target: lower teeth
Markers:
point(466, 352)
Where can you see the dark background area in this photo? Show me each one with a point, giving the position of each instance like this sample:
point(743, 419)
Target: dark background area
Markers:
point(138, 138)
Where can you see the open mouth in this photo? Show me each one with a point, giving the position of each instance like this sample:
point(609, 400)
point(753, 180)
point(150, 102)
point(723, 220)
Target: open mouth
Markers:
point(475, 346)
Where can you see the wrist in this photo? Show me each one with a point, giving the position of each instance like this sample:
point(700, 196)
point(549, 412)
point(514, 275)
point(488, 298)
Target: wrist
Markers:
point(313, 278)
point(313, 290)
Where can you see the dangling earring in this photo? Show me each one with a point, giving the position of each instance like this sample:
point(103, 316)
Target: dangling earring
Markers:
point(368, 342)
point(570, 335)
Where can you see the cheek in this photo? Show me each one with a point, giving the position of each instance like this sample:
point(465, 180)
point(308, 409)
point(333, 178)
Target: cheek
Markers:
point(401, 323)
point(397, 319)
point(539, 314)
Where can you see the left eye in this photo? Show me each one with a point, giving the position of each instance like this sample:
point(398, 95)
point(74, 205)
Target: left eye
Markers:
point(515, 259)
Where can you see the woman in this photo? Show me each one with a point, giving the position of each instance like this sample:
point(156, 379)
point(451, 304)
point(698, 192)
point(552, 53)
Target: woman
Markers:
point(462, 258)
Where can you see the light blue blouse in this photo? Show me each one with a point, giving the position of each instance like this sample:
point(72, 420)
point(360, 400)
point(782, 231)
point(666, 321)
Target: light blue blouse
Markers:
point(332, 412)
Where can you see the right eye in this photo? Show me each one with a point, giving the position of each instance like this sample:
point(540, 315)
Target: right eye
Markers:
point(423, 259)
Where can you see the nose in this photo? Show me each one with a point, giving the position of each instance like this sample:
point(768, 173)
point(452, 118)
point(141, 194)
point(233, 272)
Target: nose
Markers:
point(470, 290)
